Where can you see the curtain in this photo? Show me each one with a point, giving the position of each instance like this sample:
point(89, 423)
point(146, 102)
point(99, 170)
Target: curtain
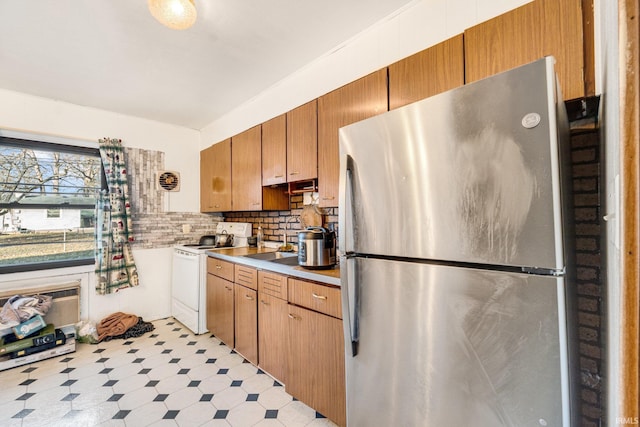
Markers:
point(115, 267)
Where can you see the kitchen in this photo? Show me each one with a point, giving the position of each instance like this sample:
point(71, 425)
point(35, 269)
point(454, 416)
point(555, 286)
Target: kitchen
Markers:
point(153, 259)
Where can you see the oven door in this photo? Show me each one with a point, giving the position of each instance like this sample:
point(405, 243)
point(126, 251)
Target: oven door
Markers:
point(185, 280)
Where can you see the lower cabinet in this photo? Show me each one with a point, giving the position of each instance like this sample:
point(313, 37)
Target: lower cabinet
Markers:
point(315, 368)
point(290, 328)
point(272, 336)
point(246, 325)
point(220, 309)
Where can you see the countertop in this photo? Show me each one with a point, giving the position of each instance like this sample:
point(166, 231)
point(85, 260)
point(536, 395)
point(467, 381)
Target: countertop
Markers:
point(237, 256)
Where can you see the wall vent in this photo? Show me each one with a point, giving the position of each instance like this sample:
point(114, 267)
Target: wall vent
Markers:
point(169, 180)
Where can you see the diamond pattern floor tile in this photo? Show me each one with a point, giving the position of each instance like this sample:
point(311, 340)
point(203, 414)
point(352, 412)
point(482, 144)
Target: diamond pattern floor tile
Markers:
point(167, 378)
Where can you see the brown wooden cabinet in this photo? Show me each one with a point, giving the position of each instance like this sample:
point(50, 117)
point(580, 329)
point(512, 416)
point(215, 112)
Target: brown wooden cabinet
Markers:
point(246, 170)
point(353, 102)
point(315, 372)
point(246, 312)
point(246, 323)
point(272, 336)
point(302, 142)
point(220, 309)
point(274, 151)
point(215, 177)
point(427, 73)
point(273, 322)
point(321, 298)
point(525, 34)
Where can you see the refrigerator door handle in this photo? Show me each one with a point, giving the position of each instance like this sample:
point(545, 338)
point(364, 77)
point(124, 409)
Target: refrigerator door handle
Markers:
point(350, 302)
point(350, 288)
point(346, 203)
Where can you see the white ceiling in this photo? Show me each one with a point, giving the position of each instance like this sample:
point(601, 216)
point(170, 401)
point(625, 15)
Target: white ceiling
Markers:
point(113, 55)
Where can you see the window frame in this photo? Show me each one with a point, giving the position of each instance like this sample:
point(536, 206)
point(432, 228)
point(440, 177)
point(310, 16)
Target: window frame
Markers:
point(53, 144)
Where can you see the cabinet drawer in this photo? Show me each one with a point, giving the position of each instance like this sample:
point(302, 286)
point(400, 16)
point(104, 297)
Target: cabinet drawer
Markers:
point(272, 284)
point(246, 276)
point(324, 299)
point(220, 268)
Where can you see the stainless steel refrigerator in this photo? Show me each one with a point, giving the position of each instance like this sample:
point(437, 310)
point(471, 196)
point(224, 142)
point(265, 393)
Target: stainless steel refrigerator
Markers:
point(455, 241)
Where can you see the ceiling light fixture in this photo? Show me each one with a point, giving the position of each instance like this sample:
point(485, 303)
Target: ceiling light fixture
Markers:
point(175, 14)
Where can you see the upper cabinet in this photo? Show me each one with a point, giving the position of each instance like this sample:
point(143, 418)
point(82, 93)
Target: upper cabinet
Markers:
point(246, 170)
point(302, 142)
point(361, 99)
point(274, 151)
point(215, 177)
point(429, 72)
point(525, 34)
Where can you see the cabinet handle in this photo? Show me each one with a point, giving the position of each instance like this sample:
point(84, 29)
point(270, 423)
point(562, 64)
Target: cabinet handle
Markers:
point(249, 297)
point(294, 317)
point(228, 288)
point(318, 296)
point(278, 176)
point(218, 267)
point(216, 206)
point(328, 198)
point(256, 204)
point(294, 173)
point(264, 302)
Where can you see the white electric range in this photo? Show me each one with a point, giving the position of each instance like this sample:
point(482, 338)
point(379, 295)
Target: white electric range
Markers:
point(189, 276)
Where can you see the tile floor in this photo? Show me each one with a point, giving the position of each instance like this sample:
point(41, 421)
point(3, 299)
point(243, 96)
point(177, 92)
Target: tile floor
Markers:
point(168, 377)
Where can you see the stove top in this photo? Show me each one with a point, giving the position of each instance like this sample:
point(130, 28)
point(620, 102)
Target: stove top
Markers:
point(240, 231)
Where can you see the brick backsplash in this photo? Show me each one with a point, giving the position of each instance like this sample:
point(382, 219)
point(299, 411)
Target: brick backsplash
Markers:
point(585, 156)
point(152, 226)
point(273, 222)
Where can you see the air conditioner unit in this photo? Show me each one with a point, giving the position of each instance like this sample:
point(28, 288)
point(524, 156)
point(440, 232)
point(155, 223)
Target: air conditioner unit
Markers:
point(169, 181)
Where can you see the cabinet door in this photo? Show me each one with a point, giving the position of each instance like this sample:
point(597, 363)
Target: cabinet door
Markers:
point(215, 177)
point(274, 151)
point(220, 309)
point(246, 326)
point(302, 142)
point(525, 34)
point(273, 323)
point(427, 73)
point(351, 103)
point(315, 373)
point(246, 170)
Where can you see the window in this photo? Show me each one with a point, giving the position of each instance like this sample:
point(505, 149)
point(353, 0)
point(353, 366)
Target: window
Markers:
point(53, 213)
point(48, 194)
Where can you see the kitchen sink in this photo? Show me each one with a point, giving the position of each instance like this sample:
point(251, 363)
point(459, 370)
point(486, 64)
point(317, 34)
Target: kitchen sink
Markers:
point(286, 258)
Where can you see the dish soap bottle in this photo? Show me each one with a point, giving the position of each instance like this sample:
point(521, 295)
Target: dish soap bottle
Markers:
point(260, 238)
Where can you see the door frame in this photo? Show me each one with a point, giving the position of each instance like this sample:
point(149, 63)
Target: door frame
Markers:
point(628, 39)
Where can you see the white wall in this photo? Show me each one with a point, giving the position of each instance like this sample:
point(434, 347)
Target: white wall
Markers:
point(609, 68)
point(423, 24)
point(66, 122)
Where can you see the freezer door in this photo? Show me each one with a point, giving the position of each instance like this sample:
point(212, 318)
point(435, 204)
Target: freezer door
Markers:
point(446, 346)
point(470, 175)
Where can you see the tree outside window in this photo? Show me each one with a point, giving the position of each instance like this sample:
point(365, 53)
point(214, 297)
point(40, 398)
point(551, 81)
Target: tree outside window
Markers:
point(48, 194)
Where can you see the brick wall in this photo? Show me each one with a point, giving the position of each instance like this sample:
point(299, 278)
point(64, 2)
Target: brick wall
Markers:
point(152, 226)
point(585, 151)
point(273, 222)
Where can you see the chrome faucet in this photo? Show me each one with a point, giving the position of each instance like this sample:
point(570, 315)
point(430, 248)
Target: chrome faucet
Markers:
point(285, 246)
